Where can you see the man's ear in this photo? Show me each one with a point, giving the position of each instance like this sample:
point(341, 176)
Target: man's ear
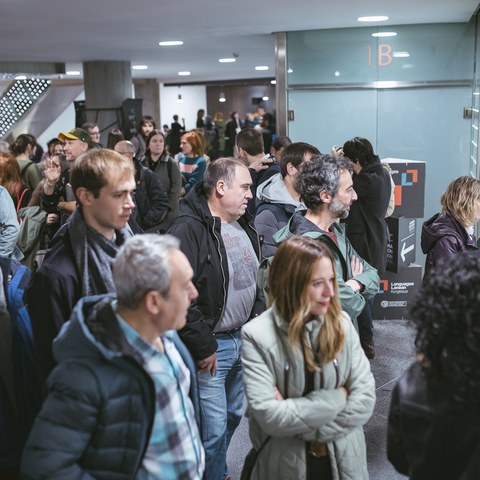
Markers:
point(291, 170)
point(84, 147)
point(220, 188)
point(84, 196)
point(325, 197)
point(241, 153)
point(154, 302)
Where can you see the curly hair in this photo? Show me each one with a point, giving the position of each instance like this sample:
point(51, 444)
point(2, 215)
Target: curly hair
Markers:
point(459, 199)
point(320, 173)
point(447, 315)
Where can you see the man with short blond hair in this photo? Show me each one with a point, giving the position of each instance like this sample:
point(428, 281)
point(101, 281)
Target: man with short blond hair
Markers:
point(79, 262)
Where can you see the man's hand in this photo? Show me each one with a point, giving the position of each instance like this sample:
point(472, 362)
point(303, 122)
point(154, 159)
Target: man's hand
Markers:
point(52, 218)
point(337, 150)
point(208, 364)
point(356, 265)
point(259, 164)
point(67, 207)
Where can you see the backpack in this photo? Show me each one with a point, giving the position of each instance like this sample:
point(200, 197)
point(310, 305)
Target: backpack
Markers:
point(26, 388)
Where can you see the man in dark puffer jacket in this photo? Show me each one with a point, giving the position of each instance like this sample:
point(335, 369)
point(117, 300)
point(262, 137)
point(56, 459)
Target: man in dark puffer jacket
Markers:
point(118, 402)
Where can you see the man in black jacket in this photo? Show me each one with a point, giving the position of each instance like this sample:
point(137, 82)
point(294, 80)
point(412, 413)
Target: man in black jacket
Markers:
point(222, 246)
point(118, 404)
point(79, 261)
point(151, 198)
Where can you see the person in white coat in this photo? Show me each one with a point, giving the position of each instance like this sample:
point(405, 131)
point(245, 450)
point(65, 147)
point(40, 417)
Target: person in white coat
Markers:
point(308, 384)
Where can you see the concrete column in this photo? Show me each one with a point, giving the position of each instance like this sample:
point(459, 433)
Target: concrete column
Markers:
point(107, 85)
point(148, 89)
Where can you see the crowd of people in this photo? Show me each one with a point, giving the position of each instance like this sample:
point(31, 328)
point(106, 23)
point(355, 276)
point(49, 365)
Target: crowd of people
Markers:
point(175, 278)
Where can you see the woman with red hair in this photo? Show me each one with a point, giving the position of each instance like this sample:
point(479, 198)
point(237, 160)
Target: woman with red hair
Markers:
point(11, 180)
point(191, 161)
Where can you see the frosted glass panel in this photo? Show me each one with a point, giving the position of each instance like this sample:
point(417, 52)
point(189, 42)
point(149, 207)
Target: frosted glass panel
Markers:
point(439, 52)
point(329, 118)
point(427, 124)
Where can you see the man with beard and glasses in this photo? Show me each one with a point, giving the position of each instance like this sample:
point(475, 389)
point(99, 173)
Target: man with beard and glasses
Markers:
point(326, 188)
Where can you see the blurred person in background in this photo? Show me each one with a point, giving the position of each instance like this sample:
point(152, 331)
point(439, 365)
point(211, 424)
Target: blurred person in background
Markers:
point(23, 149)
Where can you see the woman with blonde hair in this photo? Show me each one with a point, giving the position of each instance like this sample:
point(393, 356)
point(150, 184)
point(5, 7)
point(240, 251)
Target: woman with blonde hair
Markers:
point(308, 383)
point(451, 230)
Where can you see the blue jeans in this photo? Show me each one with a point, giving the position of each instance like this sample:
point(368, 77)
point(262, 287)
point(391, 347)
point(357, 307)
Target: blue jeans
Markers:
point(221, 404)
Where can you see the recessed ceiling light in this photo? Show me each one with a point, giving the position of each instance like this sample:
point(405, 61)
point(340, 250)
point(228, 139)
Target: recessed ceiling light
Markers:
point(289, 70)
point(72, 73)
point(261, 67)
point(184, 74)
point(337, 73)
point(21, 77)
point(384, 34)
point(373, 18)
point(273, 82)
point(265, 98)
point(401, 54)
point(227, 60)
point(139, 67)
point(170, 43)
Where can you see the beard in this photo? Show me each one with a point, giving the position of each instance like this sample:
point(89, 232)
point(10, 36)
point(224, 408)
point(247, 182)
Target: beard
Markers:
point(339, 209)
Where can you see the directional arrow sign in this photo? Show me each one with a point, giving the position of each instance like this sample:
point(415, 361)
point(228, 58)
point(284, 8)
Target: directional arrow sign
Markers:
point(405, 250)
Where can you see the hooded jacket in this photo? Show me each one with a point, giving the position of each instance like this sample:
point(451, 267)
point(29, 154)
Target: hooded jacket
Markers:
point(98, 416)
point(352, 302)
point(444, 236)
point(275, 206)
point(201, 241)
point(321, 415)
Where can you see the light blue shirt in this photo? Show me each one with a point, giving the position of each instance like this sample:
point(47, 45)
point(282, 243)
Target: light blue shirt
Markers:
point(175, 449)
point(9, 227)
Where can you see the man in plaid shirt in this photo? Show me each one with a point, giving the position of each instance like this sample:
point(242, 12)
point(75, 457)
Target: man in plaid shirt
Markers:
point(118, 404)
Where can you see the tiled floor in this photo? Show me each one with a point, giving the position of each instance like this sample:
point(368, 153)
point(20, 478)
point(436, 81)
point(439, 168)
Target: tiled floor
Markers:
point(394, 352)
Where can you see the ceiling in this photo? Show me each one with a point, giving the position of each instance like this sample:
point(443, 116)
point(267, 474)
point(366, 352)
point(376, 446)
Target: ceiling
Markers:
point(74, 32)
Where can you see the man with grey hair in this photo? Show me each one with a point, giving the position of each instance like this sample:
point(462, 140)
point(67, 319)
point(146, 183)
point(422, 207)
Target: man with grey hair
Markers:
point(118, 402)
point(326, 188)
point(217, 237)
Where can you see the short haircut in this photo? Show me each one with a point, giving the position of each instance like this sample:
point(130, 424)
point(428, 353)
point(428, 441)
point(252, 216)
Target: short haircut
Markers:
point(87, 126)
point(196, 141)
point(89, 169)
point(294, 154)
point(147, 119)
point(250, 140)
point(141, 266)
point(361, 150)
point(321, 173)
point(281, 142)
point(459, 199)
point(221, 169)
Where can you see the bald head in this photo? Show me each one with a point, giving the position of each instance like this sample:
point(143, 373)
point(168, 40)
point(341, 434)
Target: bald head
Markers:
point(124, 147)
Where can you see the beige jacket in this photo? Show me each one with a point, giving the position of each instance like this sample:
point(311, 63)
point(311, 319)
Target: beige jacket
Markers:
point(322, 415)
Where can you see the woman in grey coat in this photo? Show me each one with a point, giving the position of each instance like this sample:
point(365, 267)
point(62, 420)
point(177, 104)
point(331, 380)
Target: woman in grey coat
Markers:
point(308, 383)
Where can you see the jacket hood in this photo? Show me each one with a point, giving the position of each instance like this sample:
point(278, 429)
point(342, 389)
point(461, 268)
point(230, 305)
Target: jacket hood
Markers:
point(299, 225)
point(80, 336)
point(275, 191)
point(440, 226)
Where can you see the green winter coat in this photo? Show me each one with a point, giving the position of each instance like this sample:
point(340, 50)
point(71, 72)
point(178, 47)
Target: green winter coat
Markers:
point(322, 415)
point(352, 302)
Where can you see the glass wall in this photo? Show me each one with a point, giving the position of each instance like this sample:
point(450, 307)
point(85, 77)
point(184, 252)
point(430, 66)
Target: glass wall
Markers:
point(406, 93)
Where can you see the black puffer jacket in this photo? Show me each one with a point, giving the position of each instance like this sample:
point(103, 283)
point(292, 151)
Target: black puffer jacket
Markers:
point(429, 438)
point(201, 241)
point(442, 237)
point(98, 416)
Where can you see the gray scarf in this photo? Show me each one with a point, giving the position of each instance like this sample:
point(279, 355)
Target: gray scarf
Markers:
point(93, 255)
